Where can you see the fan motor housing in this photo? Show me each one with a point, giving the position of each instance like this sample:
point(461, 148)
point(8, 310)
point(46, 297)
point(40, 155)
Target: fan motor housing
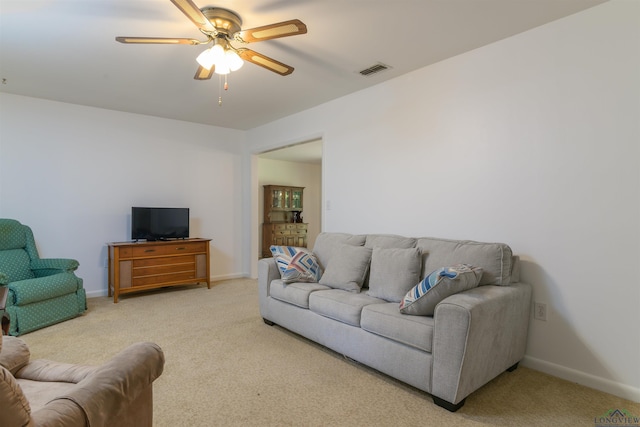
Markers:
point(224, 20)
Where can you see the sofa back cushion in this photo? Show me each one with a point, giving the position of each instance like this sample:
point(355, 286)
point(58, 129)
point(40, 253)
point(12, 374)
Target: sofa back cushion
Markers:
point(327, 243)
point(494, 258)
point(389, 241)
point(15, 264)
point(13, 234)
point(393, 272)
point(347, 268)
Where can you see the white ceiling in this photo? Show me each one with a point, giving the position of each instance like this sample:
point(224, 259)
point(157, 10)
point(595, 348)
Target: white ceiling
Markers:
point(64, 50)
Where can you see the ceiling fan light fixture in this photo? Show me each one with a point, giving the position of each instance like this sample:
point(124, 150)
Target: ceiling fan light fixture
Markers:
point(217, 53)
point(222, 68)
point(206, 59)
point(213, 56)
point(221, 26)
point(233, 60)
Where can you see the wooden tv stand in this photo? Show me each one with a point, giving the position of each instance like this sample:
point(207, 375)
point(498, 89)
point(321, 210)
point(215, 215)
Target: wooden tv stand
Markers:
point(140, 266)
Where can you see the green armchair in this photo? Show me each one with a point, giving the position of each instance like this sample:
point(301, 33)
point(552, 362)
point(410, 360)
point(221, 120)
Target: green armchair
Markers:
point(41, 291)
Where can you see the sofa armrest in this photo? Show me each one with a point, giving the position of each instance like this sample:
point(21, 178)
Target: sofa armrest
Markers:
point(42, 267)
point(33, 290)
point(478, 334)
point(267, 272)
point(110, 389)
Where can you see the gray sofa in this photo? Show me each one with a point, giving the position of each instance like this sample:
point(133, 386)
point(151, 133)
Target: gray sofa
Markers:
point(471, 337)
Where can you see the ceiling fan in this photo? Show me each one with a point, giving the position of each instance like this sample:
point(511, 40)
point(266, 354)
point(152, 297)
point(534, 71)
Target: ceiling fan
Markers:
point(221, 27)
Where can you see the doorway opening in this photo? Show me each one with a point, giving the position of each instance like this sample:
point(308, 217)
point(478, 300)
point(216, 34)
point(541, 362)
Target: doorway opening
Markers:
point(299, 166)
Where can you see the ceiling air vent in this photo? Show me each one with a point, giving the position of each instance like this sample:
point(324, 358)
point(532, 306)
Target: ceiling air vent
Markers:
point(374, 69)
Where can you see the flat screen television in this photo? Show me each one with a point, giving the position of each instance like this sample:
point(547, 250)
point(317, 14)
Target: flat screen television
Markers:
point(159, 223)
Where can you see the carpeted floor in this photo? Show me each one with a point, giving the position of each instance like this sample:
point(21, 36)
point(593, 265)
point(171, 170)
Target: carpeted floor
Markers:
point(225, 367)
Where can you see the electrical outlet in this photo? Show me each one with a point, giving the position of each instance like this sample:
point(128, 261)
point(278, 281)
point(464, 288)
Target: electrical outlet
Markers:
point(540, 311)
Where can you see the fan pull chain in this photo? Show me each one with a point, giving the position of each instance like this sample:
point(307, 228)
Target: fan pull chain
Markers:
point(226, 87)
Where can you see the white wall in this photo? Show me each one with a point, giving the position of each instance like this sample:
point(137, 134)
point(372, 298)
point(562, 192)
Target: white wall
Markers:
point(72, 174)
point(532, 141)
point(309, 176)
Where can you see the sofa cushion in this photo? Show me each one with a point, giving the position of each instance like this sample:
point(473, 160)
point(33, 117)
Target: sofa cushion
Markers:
point(494, 258)
point(385, 320)
point(15, 407)
point(39, 393)
point(389, 241)
point(326, 243)
point(393, 272)
point(341, 305)
point(296, 264)
point(347, 268)
point(294, 293)
point(446, 281)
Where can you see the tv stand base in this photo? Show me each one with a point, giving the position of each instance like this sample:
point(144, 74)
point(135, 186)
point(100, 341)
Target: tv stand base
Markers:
point(141, 266)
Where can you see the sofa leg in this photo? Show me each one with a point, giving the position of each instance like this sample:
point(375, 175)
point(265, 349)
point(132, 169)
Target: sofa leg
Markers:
point(268, 322)
point(448, 405)
point(513, 368)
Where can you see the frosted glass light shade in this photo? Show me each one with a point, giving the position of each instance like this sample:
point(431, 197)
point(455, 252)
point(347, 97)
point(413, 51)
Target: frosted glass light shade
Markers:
point(224, 61)
point(206, 59)
point(222, 68)
point(233, 60)
point(217, 53)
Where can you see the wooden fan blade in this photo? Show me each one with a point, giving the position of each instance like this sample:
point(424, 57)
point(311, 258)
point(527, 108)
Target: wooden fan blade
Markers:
point(203, 73)
point(273, 31)
point(156, 40)
point(265, 62)
point(194, 13)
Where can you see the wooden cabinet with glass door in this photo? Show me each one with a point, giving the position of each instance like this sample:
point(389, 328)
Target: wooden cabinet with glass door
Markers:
point(282, 225)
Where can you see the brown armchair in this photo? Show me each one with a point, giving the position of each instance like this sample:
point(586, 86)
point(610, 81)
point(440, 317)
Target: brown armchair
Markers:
point(46, 393)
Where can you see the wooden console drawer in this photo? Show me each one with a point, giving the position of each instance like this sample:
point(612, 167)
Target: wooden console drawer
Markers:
point(163, 261)
point(185, 277)
point(160, 266)
point(126, 252)
point(168, 249)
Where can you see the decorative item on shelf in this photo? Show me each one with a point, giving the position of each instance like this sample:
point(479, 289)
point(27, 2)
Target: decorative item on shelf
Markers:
point(296, 216)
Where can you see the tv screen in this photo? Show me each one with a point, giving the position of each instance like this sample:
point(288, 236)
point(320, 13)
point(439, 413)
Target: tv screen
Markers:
point(159, 223)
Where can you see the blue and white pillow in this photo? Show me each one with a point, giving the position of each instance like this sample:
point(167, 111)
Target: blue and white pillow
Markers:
point(446, 281)
point(296, 264)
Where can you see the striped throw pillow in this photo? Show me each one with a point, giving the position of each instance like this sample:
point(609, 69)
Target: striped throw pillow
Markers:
point(446, 281)
point(296, 264)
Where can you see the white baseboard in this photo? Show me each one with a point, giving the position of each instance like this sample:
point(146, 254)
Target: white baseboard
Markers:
point(228, 277)
point(608, 386)
point(96, 294)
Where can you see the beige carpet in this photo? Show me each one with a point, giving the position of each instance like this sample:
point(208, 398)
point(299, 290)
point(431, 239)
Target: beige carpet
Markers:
point(225, 367)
